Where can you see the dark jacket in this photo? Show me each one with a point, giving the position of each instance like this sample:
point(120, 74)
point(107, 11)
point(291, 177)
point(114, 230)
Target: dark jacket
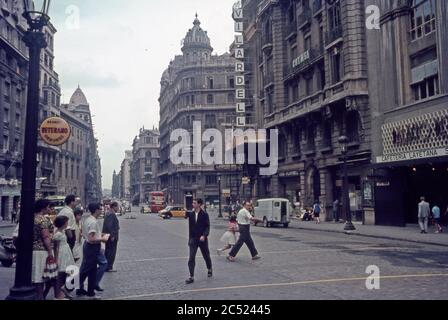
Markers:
point(111, 225)
point(198, 228)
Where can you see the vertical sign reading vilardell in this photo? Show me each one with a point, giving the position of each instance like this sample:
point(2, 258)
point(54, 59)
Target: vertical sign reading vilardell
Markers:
point(239, 68)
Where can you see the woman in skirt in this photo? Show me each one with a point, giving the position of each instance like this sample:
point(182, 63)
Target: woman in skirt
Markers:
point(42, 249)
point(229, 237)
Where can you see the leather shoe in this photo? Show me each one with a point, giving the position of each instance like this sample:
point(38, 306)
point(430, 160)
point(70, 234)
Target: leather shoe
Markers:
point(99, 289)
point(210, 273)
point(189, 281)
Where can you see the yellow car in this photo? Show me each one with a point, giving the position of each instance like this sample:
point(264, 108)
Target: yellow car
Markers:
point(172, 212)
point(145, 210)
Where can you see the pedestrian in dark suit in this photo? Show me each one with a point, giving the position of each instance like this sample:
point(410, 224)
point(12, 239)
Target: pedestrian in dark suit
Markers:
point(111, 226)
point(199, 229)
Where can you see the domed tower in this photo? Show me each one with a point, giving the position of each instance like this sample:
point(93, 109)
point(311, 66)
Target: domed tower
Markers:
point(196, 44)
point(79, 105)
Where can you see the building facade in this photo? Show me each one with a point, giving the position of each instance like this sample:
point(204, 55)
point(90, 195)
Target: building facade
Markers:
point(125, 176)
point(197, 87)
point(144, 165)
point(311, 83)
point(408, 84)
point(116, 185)
point(49, 106)
point(79, 165)
point(13, 83)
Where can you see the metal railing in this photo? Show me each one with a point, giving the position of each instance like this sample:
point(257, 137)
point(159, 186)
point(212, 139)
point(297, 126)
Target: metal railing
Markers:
point(317, 5)
point(304, 18)
point(333, 35)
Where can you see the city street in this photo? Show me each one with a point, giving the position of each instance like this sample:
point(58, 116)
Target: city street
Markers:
point(296, 265)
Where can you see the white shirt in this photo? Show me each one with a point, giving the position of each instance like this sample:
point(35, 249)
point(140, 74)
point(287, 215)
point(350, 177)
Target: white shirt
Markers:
point(68, 212)
point(244, 217)
point(196, 214)
point(89, 226)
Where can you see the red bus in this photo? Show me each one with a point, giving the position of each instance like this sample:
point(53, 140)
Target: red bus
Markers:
point(156, 201)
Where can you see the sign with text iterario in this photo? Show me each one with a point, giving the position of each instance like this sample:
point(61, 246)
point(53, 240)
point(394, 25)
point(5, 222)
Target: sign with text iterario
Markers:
point(55, 131)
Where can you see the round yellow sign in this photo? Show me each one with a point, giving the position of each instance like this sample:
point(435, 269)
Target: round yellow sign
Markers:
point(55, 131)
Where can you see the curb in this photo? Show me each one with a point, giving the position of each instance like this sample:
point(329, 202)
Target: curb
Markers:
point(371, 236)
point(356, 233)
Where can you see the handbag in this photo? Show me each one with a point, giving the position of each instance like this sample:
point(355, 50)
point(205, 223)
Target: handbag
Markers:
point(51, 269)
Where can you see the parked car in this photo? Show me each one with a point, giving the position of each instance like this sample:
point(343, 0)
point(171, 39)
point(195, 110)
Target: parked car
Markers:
point(172, 212)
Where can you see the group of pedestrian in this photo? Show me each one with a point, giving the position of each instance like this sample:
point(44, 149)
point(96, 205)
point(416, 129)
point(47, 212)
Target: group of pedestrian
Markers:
point(73, 238)
point(425, 213)
point(199, 230)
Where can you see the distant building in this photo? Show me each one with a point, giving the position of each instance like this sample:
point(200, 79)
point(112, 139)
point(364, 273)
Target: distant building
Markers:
point(125, 176)
point(144, 165)
point(79, 167)
point(197, 86)
point(116, 185)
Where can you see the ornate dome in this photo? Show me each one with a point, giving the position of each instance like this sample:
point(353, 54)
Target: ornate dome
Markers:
point(78, 98)
point(196, 38)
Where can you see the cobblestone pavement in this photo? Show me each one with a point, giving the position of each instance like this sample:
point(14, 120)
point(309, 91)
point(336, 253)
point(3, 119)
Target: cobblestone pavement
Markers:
point(296, 264)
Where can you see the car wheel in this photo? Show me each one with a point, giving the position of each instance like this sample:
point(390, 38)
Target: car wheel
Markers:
point(7, 263)
point(266, 224)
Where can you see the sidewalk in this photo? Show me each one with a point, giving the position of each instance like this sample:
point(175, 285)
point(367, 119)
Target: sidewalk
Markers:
point(410, 233)
point(6, 224)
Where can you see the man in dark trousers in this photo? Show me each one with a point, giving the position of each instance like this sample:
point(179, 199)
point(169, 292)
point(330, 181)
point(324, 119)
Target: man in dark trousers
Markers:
point(111, 226)
point(199, 229)
point(244, 218)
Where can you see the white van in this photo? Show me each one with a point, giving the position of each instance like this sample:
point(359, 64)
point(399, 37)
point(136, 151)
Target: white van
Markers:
point(273, 212)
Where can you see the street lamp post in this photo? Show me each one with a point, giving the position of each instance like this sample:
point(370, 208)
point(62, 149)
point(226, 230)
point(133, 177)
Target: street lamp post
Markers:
point(35, 41)
point(345, 196)
point(220, 196)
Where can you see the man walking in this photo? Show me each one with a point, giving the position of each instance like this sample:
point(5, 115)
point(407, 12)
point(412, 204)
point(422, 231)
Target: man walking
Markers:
point(336, 210)
point(436, 216)
point(111, 226)
point(244, 218)
point(91, 249)
point(423, 215)
point(199, 229)
point(67, 211)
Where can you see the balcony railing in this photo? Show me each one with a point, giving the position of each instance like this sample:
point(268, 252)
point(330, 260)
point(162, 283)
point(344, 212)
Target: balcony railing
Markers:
point(291, 28)
point(267, 39)
point(304, 18)
point(317, 6)
point(268, 78)
point(333, 35)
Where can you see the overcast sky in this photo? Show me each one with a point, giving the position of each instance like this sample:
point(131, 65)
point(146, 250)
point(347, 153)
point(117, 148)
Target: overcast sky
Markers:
point(117, 53)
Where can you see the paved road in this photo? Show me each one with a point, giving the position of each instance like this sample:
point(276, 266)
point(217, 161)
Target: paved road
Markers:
point(295, 265)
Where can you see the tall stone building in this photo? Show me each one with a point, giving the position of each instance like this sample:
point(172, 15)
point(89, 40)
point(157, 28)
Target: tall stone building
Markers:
point(116, 185)
point(311, 80)
point(13, 82)
point(408, 84)
point(197, 86)
point(144, 165)
point(49, 106)
point(125, 176)
point(79, 167)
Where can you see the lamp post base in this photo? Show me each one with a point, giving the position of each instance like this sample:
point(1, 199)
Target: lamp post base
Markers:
point(349, 226)
point(22, 294)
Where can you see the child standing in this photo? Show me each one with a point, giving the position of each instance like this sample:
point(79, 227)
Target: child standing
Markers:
point(77, 249)
point(229, 237)
point(63, 254)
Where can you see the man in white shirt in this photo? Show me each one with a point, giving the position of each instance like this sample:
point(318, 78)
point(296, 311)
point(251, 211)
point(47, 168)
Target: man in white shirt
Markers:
point(244, 218)
point(91, 250)
point(67, 211)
